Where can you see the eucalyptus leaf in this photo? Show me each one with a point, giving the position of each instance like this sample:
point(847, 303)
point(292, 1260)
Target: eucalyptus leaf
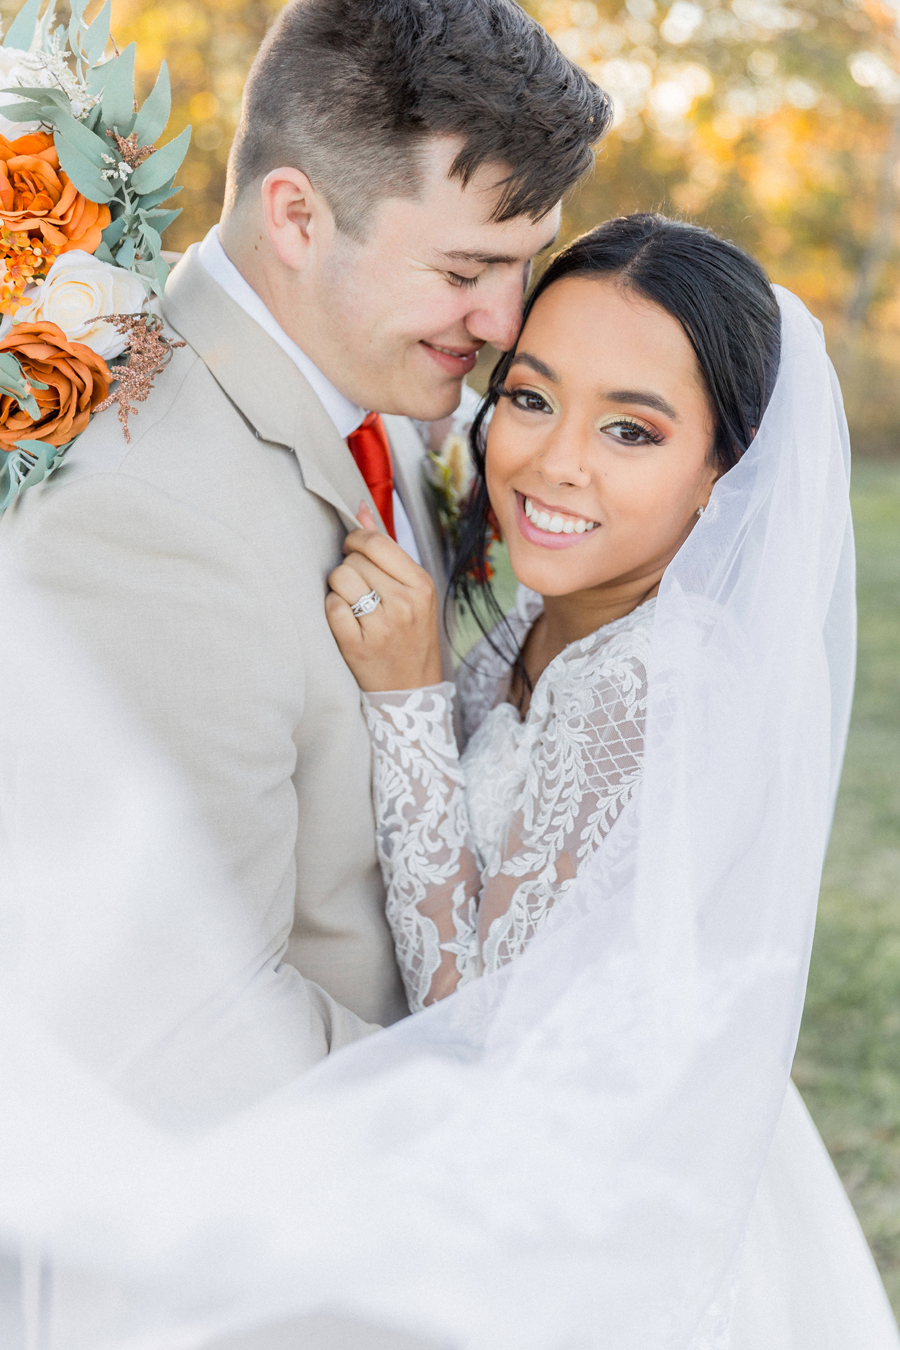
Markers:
point(9, 482)
point(154, 114)
point(98, 75)
point(76, 25)
point(161, 165)
point(25, 112)
point(87, 143)
point(17, 474)
point(97, 36)
point(29, 464)
point(9, 365)
point(163, 219)
point(85, 175)
point(162, 274)
point(154, 198)
point(146, 275)
point(43, 28)
point(21, 30)
point(118, 93)
point(26, 401)
point(38, 448)
point(114, 231)
point(152, 238)
point(14, 383)
point(38, 95)
point(103, 254)
point(125, 255)
point(92, 121)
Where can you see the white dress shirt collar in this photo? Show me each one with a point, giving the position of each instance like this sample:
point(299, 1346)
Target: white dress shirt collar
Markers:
point(345, 415)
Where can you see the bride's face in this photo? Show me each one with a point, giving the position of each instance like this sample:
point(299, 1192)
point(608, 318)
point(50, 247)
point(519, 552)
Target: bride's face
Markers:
point(600, 451)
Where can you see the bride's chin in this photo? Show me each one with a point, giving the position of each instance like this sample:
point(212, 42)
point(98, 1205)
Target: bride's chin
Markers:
point(547, 577)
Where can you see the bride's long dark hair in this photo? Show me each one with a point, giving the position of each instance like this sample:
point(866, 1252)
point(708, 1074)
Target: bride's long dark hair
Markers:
point(724, 302)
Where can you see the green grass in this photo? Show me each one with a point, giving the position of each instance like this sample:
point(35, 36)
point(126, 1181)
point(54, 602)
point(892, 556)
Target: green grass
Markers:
point(848, 1061)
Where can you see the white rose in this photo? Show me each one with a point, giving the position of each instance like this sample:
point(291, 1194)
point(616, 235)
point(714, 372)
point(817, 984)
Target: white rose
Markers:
point(77, 290)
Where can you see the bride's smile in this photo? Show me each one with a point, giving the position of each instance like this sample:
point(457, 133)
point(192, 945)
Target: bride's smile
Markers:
point(550, 526)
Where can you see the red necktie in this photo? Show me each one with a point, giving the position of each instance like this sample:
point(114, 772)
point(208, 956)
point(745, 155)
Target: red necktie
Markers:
point(370, 448)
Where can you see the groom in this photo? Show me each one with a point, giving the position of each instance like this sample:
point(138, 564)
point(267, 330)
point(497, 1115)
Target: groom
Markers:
point(398, 165)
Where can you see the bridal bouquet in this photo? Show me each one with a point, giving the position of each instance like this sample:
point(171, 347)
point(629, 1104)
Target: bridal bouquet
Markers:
point(81, 187)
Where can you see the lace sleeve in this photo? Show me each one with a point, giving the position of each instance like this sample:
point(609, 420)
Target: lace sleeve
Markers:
point(430, 870)
point(579, 769)
point(474, 854)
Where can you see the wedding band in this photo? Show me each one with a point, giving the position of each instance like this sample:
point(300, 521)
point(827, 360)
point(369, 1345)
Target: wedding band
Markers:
point(365, 604)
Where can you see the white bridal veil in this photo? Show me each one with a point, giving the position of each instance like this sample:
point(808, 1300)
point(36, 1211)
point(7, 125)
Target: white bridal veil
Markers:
point(561, 1156)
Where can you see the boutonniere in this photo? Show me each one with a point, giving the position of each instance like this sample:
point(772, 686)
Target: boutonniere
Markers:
point(450, 473)
point(451, 476)
point(81, 187)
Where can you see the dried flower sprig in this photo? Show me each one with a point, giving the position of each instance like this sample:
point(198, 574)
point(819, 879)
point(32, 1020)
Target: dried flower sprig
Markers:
point(149, 352)
point(129, 150)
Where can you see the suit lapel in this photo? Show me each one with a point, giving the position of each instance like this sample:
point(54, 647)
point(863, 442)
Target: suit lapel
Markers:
point(408, 454)
point(278, 403)
point(264, 384)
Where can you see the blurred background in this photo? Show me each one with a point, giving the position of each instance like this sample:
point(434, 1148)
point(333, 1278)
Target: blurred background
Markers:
point(777, 125)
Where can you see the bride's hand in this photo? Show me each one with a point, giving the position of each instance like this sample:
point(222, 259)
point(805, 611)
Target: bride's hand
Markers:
point(397, 645)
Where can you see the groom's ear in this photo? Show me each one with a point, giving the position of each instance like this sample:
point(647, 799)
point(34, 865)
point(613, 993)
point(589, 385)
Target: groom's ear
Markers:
point(298, 220)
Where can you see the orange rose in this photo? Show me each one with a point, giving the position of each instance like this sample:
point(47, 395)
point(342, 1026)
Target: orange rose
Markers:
point(77, 379)
point(36, 197)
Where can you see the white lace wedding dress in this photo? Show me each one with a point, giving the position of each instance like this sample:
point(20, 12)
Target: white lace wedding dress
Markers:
point(476, 847)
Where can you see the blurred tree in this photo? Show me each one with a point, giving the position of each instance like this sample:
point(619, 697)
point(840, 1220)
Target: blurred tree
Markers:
point(209, 45)
point(777, 125)
point(775, 122)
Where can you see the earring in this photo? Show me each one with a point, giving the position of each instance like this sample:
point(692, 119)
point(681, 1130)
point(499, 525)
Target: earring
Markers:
point(700, 510)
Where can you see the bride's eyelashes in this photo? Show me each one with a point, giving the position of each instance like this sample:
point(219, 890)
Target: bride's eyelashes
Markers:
point(527, 400)
point(629, 431)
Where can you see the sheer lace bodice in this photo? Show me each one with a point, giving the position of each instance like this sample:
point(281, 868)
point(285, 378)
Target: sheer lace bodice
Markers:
point(475, 848)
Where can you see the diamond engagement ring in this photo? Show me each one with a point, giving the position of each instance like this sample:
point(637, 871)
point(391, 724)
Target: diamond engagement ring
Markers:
point(365, 604)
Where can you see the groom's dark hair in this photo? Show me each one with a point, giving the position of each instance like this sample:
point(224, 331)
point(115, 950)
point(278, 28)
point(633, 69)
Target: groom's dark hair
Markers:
point(349, 90)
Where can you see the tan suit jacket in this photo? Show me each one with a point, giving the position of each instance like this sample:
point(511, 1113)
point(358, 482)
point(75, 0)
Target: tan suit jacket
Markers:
point(192, 564)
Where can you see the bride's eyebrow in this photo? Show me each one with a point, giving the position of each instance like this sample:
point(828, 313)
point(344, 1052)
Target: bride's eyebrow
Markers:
point(644, 397)
point(526, 359)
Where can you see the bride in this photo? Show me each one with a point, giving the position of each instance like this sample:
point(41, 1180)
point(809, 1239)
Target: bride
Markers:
point(647, 359)
point(608, 429)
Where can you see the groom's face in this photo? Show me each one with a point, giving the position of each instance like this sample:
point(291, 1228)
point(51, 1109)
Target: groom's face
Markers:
point(410, 307)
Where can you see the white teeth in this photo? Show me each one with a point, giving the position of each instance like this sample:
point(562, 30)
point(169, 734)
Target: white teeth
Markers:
point(555, 524)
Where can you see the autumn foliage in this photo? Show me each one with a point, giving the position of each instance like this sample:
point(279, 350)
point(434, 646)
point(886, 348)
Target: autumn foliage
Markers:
point(775, 122)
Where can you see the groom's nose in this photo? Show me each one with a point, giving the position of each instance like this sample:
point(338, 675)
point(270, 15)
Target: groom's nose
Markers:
point(496, 314)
